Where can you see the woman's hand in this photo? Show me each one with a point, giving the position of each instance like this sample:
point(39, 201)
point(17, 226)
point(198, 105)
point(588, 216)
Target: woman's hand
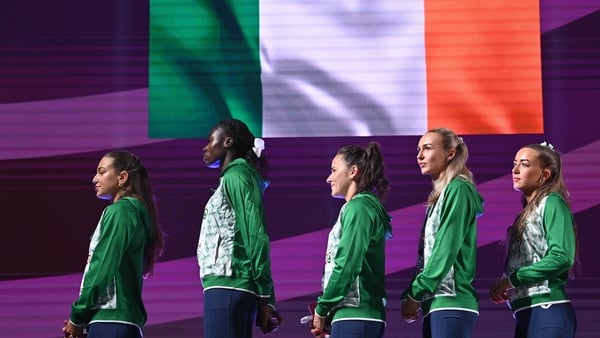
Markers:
point(267, 318)
point(498, 292)
point(410, 310)
point(318, 326)
point(72, 331)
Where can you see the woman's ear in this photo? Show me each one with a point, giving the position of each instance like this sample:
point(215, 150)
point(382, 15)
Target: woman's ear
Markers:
point(123, 177)
point(353, 171)
point(545, 175)
point(451, 154)
point(228, 142)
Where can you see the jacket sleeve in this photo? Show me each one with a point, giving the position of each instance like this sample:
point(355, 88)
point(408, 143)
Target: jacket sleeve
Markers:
point(354, 242)
point(116, 227)
point(560, 235)
point(246, 198)
point(456, 217)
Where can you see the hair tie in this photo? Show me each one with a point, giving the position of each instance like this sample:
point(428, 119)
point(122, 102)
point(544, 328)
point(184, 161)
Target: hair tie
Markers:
point(259, 146)
point(547, 145)
point(460, 140)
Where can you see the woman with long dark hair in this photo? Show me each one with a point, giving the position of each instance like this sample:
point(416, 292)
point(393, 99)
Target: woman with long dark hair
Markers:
point(541, 248)
point(123, 249)
point(353, 301)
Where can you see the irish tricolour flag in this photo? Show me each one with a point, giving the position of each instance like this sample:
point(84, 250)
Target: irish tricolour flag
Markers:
point(302, 68)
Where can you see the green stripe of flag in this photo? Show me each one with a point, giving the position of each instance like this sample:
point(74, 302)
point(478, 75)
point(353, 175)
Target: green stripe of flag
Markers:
point(204, 66)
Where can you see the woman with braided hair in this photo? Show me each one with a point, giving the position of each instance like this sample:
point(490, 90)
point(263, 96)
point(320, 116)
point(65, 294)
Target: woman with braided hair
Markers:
point(126, 243)
point(541, 248)
point(233, 248)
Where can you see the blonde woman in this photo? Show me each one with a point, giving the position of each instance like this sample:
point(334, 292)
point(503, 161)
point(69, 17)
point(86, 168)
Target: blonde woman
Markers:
point(442, 287)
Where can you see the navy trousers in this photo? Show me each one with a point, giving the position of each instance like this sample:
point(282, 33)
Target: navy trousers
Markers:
point(113, 330)
point(449, 323)
point(228, 313)
point(546, 321)
point(357, 329)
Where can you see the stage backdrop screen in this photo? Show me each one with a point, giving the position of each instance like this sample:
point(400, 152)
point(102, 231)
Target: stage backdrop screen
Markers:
point(345, 68)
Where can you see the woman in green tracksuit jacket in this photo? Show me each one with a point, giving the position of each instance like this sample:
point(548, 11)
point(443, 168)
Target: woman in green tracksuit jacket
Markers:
point(442, 287)
point(123, 249)
point(541, 248)
point(233, 247)
point(354, 298)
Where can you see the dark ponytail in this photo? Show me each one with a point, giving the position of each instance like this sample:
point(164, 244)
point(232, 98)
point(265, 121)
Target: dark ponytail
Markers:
point(138, 185)
point(371, 173)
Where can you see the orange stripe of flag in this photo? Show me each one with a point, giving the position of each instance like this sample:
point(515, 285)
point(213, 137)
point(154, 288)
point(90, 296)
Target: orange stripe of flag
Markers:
point(484, 66)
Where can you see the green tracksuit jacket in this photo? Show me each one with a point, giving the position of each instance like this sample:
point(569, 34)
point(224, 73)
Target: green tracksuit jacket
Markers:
point(233, 248)
point(353, 281)
point(539, 267)
point(111, 288)
point(449, 251)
